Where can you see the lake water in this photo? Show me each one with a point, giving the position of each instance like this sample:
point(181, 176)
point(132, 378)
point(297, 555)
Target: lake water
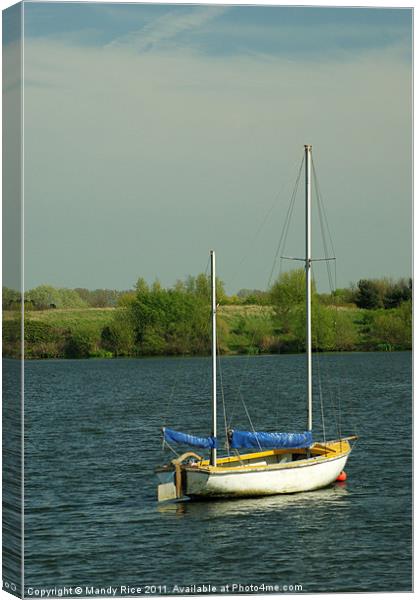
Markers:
point(93, 439)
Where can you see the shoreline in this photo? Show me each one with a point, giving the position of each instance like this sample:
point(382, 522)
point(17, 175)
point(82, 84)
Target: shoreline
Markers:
point(187, 356)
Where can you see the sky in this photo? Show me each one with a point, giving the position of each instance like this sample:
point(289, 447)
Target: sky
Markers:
point(153, 133)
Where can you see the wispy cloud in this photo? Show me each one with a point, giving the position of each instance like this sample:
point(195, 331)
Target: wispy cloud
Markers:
point(166, 28)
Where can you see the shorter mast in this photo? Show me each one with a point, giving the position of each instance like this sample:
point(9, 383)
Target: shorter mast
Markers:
point(213, 458)
point(307, 148)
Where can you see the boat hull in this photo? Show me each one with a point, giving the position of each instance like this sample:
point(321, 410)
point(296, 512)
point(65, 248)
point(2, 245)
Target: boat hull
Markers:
point(264, 481)
point(261, 473)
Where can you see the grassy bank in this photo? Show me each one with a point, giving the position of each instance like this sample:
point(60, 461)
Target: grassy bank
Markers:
point(110, 332)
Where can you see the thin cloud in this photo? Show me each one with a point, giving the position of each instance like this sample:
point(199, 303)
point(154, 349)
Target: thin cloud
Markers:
point(166, 27)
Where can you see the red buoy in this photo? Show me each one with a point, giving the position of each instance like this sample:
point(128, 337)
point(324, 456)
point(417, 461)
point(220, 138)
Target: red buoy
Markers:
point(341, 477)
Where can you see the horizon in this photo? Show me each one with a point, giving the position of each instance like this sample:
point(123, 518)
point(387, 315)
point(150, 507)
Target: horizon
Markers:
point(234, 293)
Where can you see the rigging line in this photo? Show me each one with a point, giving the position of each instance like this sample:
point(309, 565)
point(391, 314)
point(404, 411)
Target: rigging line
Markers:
point(325, 247)
point(282, 249)
point(333, 286)
point(245, 369)
point(176, 381)
point(323, 233)
point(222, 397)
point(316, 337)
point(281, 243)
point(239, 392)
point(208, 263)
point(250, 421)
point(165, 442)
point(330, 395)
point(339, 389)
point(328, 378)
point(325, 213)
point(287, 221)
point(278, 404)
point(170, 400)
point(282, 239)
point(323, 219)
point(320, 394)
point(339, 385)
point(262, 224)
point(320, 196)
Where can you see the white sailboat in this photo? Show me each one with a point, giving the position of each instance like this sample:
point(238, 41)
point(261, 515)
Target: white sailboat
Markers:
point(284, 463)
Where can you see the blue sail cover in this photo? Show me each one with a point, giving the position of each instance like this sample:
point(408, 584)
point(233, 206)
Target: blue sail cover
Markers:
point(178, 437)
point(262, 439)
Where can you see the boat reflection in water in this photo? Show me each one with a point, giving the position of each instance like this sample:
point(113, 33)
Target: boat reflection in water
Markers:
point(336, 494)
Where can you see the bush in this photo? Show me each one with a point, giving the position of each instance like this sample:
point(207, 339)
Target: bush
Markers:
point(170, 321)
point(43, 340)
point(389, 329)
point(82, 343)
point(47, 296)
point(118, 337)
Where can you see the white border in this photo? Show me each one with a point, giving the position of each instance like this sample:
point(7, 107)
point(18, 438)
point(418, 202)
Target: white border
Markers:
point(314, 3)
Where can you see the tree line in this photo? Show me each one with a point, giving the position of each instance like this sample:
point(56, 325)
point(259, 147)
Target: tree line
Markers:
point(152, 320)
point(368, 293)
point(45, 297)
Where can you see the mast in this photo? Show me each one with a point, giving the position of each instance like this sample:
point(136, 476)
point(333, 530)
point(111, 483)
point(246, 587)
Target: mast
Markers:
point(213, 459)
point(307, 149)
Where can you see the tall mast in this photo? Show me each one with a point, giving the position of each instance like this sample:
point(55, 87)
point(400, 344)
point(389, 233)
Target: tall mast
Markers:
point(213, 459)
point(307, 148)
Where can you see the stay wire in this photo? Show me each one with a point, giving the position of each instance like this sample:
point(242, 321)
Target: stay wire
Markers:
point(324, 225)
point(207, 267)
point(323, 207)
point(259, 229)
point(245, 371)
point(339, 390)
point(222, 397)
point(281, 244)
point(177, 377)
point(250, 420)
point(328, 381)
point(322, 219)
point(331, 288)
point(285, 227)
point(320, 394)
point(166, 443)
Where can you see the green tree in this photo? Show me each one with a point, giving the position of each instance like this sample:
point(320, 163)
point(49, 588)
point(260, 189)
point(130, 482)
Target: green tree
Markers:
point(11, 299)
point(119, 337)
point(170, 321)
point(389, 329)
point(368, 294)
point(346, 333)
point(201, 286)
point(254, 297)
point(287, 296)
point(398, 292)
point(70, 299)
point(47, 296)
point(82, 342)
point(141, 287)
point(43, 297)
